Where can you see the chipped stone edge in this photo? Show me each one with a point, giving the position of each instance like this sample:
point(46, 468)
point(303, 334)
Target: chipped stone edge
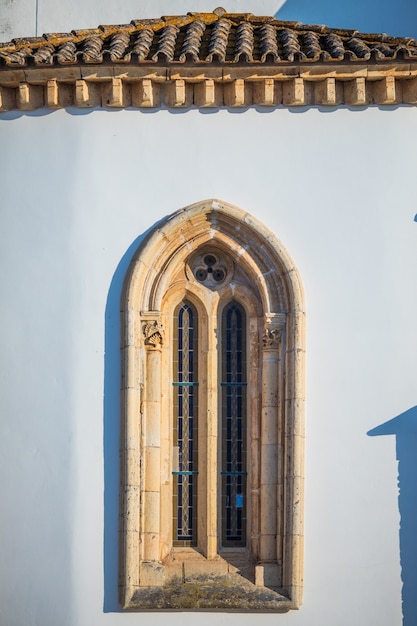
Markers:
point(216, 87)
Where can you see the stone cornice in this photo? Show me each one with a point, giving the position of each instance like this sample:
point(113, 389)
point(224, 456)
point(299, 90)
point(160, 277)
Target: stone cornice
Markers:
point(207, 60)
point(54, 88)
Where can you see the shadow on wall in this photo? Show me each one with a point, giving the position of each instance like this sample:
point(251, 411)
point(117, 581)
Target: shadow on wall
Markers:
point(111, 427)
point(369, 16)
point(404, 427)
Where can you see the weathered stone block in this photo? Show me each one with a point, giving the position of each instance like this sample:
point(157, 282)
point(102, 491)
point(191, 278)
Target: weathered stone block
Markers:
point(178, 93)
point(237, 93)
point(151, 574)
point(29, 97)
point(267, 575)
point(7, 98)
point(116, 93)
point(208, 93)
point(204, 568)
point(295, 92)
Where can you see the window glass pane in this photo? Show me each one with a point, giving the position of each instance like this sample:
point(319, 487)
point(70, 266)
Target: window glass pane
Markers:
point(185, 426)
point(233, 384)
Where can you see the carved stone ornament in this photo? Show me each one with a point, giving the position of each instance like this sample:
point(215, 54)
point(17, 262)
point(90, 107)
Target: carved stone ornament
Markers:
point(153, 333)
point(211, 267)
point(271, 337)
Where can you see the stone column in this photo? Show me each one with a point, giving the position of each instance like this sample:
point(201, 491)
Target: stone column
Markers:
point(131, 424)
point(153, 336)
point(267, 573)
point(293, 544)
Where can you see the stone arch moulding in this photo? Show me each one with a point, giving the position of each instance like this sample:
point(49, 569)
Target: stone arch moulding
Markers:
point(265, 569)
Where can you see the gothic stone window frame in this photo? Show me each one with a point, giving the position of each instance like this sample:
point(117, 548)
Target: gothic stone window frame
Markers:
point(260, 276)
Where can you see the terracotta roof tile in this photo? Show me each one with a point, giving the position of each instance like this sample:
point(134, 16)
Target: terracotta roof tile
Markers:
point(219, 38)
point(141, 44)
point(268, 47)
point(206, 38)
point(192, 42)
point(166, 46)
point(214, 59)
point(66, 53)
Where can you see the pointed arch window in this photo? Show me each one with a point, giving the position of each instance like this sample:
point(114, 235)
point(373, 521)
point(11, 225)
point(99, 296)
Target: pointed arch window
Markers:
point(212, 416)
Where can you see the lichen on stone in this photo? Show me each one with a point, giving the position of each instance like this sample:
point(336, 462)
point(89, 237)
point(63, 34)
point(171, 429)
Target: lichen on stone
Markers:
point(231, 592)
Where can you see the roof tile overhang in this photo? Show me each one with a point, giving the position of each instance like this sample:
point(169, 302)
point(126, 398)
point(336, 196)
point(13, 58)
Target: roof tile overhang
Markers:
point(207, 60)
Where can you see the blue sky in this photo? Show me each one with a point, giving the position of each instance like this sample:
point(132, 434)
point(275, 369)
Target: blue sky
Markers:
point(394, 17)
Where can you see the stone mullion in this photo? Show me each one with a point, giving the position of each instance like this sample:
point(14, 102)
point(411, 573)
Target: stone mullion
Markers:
point(213, 468)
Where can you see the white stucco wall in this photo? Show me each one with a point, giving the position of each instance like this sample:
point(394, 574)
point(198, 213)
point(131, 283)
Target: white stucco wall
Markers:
point(77, 189)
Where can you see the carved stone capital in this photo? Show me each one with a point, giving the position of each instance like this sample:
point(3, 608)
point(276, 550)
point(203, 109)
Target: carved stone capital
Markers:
point(153, 333)
point(272, 338)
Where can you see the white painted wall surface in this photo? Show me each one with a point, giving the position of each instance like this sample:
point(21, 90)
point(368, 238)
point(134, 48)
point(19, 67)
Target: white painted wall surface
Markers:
point(77, 189)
